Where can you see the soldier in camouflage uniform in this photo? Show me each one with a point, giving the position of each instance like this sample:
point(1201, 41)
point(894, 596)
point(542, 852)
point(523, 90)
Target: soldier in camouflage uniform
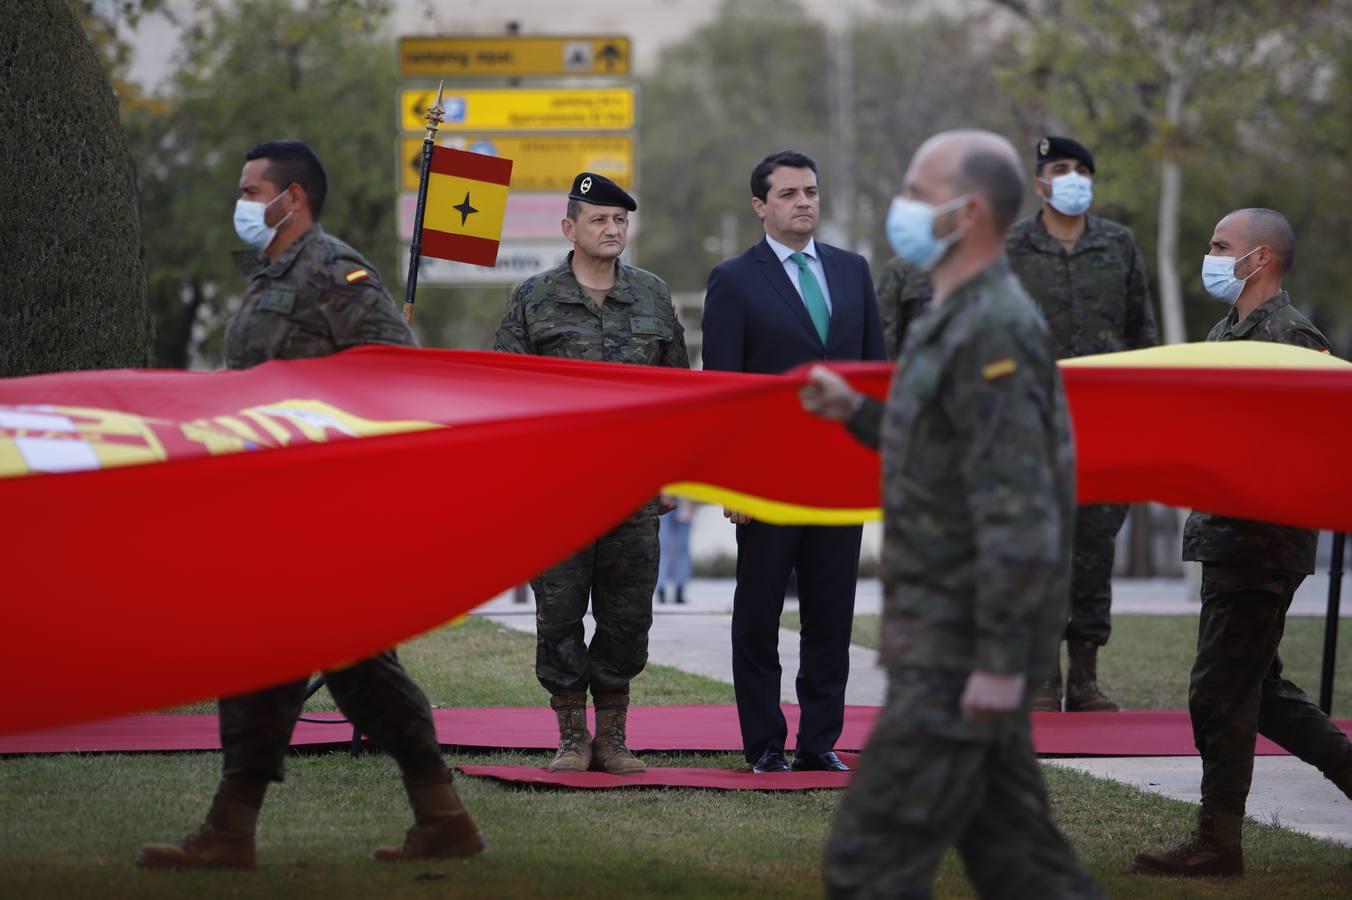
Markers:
point(904, 292)
point(592, 306)
point(311, 295)
point(1250, 572)
point(978, 508)
point(1089, 279)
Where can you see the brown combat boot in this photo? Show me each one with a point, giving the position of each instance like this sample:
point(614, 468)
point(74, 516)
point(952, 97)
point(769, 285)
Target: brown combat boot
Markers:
point(575, 748)
point(1082, 690)
point(224, 841)
point(442, 827)
point(609, 754)
point(1047, 697)
point(1214, 850)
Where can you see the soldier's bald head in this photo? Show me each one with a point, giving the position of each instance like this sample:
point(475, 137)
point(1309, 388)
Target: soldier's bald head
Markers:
point(974, 161)
point(1260, 226)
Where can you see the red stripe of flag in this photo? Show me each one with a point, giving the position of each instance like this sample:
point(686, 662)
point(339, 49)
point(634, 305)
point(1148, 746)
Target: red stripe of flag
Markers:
point(474, 166)
point(463, 247)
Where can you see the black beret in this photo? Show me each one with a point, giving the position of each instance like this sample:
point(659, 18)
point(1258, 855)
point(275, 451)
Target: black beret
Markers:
point(600, 191)
point(1050, 148)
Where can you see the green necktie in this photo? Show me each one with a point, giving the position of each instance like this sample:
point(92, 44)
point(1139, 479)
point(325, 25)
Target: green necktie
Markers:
point(812, 297)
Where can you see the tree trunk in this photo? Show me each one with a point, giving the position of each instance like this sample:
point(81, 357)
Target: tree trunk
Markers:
point(1171, 193)
point(73, 279)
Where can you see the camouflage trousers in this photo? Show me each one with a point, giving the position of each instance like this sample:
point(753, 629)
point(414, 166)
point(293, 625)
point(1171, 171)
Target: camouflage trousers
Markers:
point(1091, 572)
point(618, 573)
point(1237, 691)
point(929, 780)
point(375, 694)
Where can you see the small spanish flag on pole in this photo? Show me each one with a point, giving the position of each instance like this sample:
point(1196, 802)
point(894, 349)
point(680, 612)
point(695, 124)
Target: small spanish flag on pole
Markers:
point(466, 201)
point(462, 199)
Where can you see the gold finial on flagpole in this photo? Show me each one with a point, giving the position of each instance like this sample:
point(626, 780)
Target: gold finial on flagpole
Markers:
point(435, 115)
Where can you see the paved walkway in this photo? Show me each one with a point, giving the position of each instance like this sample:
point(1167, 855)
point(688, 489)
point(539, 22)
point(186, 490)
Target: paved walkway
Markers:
point(695, 638)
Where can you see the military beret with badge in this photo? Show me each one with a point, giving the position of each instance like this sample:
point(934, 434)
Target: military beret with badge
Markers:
point(600, 191)
point(1052, 148)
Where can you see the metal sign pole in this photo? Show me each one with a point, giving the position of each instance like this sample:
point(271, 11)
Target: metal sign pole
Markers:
point(1331, 621)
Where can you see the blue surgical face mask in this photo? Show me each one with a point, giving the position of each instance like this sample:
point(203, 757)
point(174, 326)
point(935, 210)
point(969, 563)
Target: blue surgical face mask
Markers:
point(910, 231)
point(251, 222)
point(1218, 276)
point(1072, 193)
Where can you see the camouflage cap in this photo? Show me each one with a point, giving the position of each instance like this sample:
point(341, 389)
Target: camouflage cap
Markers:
point(601, 191)
point(1052, 148)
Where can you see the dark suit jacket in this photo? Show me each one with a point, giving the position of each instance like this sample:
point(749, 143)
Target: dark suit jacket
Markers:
point(754, 321)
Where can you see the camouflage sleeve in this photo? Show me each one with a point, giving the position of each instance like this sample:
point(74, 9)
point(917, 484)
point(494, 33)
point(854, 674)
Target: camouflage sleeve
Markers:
point(1000, 407)
point(362, 312)
point(675, 353)
point(867, 423)
point(1140, 323)
point(512, 335)
point(889, 306)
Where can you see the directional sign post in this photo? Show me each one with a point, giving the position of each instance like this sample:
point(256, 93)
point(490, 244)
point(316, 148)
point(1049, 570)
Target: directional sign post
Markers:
point(517, 261)
point(513, 57)
point(545, 163)
point(553, 109)
point(555, 105)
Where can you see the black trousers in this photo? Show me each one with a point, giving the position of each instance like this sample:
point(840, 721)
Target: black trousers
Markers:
point(827, 561)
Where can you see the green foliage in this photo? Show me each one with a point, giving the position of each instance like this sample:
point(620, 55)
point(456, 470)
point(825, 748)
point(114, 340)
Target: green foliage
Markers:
point(249, 72)
point(1260, 120)
point(74, 284)
point(762, 77)
point(749, 83)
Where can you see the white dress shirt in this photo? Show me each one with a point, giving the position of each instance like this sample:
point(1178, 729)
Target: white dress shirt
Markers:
point(814, 265)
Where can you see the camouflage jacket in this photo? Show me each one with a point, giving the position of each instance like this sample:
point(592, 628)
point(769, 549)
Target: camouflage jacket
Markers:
point(1096, 299)
point(320, 296)
point(551, 315)
point(1220, 539)
point(978, 487)
point(904, 293)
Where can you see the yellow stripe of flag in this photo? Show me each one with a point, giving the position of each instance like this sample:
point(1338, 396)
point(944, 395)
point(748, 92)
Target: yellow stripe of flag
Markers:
point(464, 206)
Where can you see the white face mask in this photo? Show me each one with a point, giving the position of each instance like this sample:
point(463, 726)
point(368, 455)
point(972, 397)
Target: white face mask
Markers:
point(1072, 193)
point(251, 222)
point(910, 231)
point(1218, 276)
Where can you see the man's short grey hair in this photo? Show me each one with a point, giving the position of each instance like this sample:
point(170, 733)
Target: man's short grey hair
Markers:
point(998, 179)
point(1267, 226)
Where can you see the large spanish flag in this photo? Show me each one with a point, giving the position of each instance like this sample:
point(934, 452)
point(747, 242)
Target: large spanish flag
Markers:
point(172, 536)
point(466, 202)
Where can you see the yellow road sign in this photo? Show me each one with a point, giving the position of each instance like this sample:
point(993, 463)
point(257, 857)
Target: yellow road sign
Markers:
point(538, 163)
point(449, 57)
point(557, 109)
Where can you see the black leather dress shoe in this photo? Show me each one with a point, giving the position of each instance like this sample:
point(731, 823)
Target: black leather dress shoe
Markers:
point(770, 761)
point(818, 762)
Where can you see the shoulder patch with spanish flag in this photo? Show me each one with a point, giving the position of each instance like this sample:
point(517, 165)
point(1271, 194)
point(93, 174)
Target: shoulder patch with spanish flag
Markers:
point(1000, 368)
point(356, 275)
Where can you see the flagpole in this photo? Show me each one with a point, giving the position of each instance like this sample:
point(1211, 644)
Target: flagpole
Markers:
point(434, 115)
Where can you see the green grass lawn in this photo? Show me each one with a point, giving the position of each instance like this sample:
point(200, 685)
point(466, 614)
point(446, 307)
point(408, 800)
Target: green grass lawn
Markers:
point(1146, 664)
point(70, 825)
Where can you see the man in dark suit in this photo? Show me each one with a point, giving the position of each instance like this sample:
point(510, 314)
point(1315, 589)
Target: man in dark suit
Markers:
point(786, 301)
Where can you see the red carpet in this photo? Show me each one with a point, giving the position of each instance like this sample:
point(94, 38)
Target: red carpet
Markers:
point(651, 728)
point(710, 779)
